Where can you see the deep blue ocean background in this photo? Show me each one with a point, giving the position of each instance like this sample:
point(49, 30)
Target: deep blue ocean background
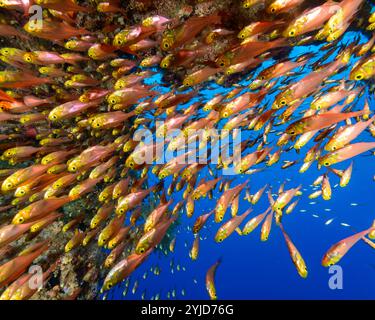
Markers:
point(252, 269)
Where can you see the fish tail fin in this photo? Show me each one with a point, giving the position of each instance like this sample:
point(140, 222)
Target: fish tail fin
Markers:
point(281, 42)
point(86, 9)
point(238, 230)
point(83, 31)
point(305, 58)
point(282, 228)
point(345, 54)
point(219, 261)
point(366, 109)
point(218, 17)
point(360, 113)
point(74, 197)
point(247, 213)
point(158, 186)
point(163, 198)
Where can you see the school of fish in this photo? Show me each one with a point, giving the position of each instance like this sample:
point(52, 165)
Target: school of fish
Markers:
point(73, 95)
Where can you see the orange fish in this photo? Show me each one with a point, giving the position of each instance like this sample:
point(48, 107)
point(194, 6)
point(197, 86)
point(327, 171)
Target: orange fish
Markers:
point(53, 30)
point(225, 200)
point(39, 209)
point(12, 269)
point(230, 226)
point(210, 280)
point(311, 82)
point(338, 250)
point(19, 79)
point(345, 153)
point(253, 223)
point(123, 269)
point(25, 291)
point(153, 237)
point(320, 121)
point(295, 255)
point(11, 232)
point(187, 31)
point(346, 134)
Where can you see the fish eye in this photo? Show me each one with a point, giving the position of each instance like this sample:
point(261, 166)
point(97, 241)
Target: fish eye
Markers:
point(166, 45)
point(283, 102)
point(20, 219)
point(292, 33)
point(272, 10)
point(359, 76)
point(109, 285)
point(113, 101)
point(141, 250)
point(73, 168)
point(222, 64)
point(220, 239)
point(119, 42)
point(326, 163)
point(225, 114)
point(246, 6)
point(131, 164)
point(122, 211)
point(9, 185)
point(292, 132)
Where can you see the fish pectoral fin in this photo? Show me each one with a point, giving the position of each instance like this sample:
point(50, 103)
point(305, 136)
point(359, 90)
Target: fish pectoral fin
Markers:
point(238, 230)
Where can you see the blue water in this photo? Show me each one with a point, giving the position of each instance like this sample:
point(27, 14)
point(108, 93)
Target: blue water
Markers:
point(252, 269)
